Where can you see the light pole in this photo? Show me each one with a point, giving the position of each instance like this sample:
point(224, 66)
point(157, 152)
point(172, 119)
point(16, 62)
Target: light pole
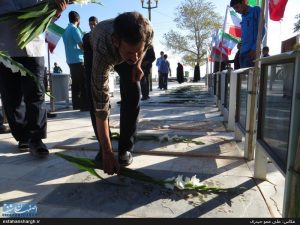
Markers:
point(149, 7)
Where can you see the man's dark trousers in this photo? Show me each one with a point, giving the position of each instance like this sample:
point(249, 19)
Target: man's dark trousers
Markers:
point(29, 121)
point(79, 98)
point(129, 108)
point(145, 84)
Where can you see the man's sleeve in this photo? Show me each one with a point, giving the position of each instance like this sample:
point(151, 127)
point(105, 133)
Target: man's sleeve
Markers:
point(100, 87)
point(256, 18)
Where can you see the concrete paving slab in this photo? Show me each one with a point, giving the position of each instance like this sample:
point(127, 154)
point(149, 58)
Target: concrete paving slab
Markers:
point(212, 146)
point(208, 126)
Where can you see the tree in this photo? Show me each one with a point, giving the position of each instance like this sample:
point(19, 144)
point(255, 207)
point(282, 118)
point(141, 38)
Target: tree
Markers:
point(198, 20)
point(297, 24)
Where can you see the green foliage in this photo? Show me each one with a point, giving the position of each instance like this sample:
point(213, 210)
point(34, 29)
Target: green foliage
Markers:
point(297, 24)
point(197, 20)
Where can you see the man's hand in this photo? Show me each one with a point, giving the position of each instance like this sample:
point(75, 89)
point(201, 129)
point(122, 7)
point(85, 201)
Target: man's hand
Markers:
point(137, 73)
point(252, 54)
point(110, 164)
point(61, 6)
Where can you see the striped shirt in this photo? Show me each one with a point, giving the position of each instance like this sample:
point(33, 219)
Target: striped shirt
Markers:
point(105, 56)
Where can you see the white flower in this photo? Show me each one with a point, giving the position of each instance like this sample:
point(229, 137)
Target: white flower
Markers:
point(179, 182)
point(195, 181)
point(81, 2)
point(187, 180)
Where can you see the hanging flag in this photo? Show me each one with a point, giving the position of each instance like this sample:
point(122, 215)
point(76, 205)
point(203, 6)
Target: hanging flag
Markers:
point(253, 2)
point(276, 9)
point(53, 34)
point(221, 48)
point(233, 23)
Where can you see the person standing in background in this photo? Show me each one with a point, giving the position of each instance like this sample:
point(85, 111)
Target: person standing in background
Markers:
point(158, 62)
point(56, 68)
point(164, 70)
point(265, 51)
point(72, 38)
point(149, 58)
point(179, 73)
point(196, 73)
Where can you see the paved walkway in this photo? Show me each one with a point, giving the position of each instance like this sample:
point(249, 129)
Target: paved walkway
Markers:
point(60, 190)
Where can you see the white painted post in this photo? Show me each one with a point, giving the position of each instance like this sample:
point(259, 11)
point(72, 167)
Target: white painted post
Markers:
point(260, 163)
point(232, 101)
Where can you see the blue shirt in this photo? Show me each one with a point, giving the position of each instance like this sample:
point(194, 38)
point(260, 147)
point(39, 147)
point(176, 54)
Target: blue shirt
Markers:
point(72, 37)
point(249, 26)
point(158, 62)
point(164, 66)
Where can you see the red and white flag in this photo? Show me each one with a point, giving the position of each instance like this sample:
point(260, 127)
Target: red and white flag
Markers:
point(53, 34)
point(276, 9)
point(233, 23)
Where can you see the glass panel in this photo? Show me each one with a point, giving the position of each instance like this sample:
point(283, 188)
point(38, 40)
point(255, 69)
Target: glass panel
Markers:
point(227, 90)
point(243, 99)
point(219, 86)
point(276, 107)
point(215, 83)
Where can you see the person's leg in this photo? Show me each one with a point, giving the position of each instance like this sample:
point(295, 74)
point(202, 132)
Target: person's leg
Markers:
point(145, 85)
point(165, 81)
point(147, 88)
point(1, 119)
point(88, 75)
point(3, 128)
point(160, 80)
point(129, 110)
point(34, 98)
point(76, 86)
point(84, 104)
point(11, 94)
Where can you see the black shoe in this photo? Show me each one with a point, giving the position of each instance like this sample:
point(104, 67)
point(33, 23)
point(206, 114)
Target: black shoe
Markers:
point(99, 160)
point(125, 159)
point(144, 98)
point(23, 146)
point(51, 115)
point(38, 149)
point(4, 129)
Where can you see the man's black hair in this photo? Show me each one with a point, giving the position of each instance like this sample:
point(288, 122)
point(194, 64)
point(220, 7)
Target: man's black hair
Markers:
point(73, 16)
point(266, 48)
point(234, 2)
point(132, 28)
point(93, 18)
